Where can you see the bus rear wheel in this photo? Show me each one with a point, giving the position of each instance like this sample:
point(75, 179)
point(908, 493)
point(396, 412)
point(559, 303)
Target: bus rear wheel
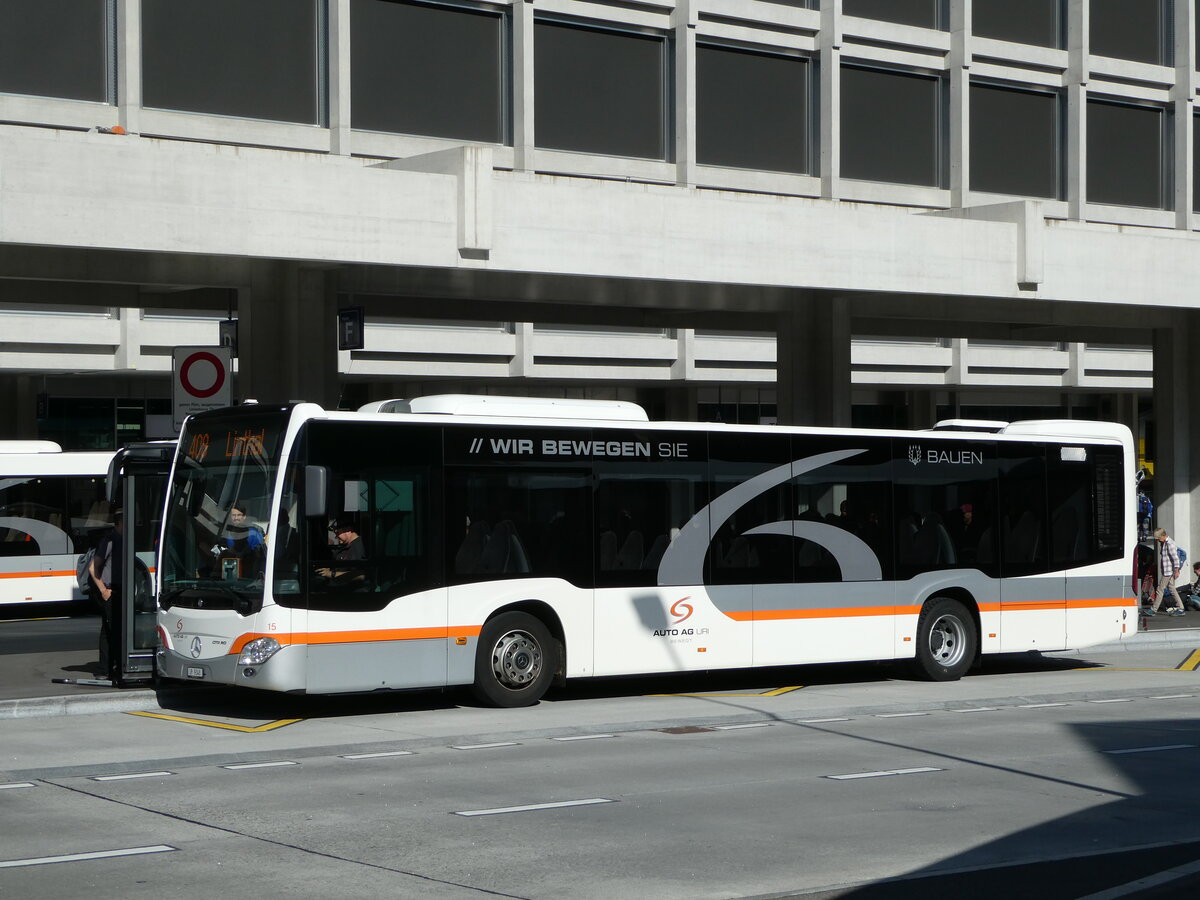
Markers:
point(946, 640)
point(515, 661)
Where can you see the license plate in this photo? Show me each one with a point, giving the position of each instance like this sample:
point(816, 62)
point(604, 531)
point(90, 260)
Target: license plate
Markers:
point(195, 672)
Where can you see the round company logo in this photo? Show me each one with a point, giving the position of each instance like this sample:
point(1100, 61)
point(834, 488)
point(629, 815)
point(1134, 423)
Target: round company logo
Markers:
point(196, 645)
point(681, 609)
point(202, 374)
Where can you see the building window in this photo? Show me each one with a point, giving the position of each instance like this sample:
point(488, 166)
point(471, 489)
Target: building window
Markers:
point(892, 126)
point(600, 91)
point(752, 110)
point(1015, 141)
point(256, 59)
point(1195, 165)
point(429, 70)
point(1132, 29)
point(1037, 22)
point(56, 49)
point(923, 13)
point(1126, 147)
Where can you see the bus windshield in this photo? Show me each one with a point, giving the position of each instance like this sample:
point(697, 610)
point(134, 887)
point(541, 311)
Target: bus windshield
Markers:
point(217, 527)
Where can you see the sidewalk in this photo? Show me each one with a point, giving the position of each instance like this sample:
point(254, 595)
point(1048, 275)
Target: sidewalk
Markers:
point(31, 683)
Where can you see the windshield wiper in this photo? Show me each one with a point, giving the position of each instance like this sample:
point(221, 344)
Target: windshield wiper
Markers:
point(224, 597)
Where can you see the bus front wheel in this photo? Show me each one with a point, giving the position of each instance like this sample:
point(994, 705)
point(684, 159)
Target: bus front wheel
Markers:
point(946, 640)
point(515, 660)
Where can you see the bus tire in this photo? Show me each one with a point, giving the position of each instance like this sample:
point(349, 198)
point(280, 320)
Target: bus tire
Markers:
point(515, 661)
point(946, 640)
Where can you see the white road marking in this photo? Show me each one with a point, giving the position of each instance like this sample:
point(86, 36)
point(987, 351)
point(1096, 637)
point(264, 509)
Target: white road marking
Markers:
point(485, 746)
point(79, 857)
point(132, 775)
point(736, 727)
point(583, 737)
point(377, 755)
point(1173, 697)
point(1142, 884)
point(1153, 749)
point(882, 774)
point(1115, 700)
point(15, 784)
point(976, 709)
point(899, 715)
point(1040, 705)
point(533, 807)
point(262, 765)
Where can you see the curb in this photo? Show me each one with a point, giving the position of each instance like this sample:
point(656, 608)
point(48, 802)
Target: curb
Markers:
point(129, 700)
point(77, 705)
point(1145, 640)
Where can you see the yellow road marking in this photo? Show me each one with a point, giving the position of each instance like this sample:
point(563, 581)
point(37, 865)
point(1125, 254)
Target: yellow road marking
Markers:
point(245, 729)
point(771, 693)
point(1191, 663)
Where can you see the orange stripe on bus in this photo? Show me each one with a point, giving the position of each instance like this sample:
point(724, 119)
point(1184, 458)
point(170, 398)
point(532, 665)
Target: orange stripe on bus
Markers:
point(767, 615)
point(59, 573)
point(357, 637)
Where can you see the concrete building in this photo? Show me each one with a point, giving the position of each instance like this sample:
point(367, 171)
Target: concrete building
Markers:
point(868, 211)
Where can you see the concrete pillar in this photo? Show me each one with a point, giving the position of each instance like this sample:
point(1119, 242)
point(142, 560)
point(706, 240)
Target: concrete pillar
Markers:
point(922, 409)
point(287, 335)
point(813, 366)
point(830, 105)
point(18, 408)
point(684, 25)
point(681, 403)
point(1078, 74)
point(339, 77)
point(1125, 411)
point(522, 75)
point(960, 88)
point(1182, 101)
point(1177, 432)
point(129, 62)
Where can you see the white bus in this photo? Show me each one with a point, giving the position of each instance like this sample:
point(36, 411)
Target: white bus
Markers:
point(52, 508)
point(508, 544)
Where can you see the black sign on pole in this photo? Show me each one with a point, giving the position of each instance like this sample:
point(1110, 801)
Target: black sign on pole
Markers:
point(351, 329)
point(228, 334)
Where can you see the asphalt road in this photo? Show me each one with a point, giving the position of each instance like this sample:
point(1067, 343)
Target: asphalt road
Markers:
point(1042, 777)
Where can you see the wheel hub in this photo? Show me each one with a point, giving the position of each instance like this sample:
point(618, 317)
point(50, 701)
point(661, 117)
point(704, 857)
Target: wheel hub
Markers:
point(947, 640)
point(516, 659)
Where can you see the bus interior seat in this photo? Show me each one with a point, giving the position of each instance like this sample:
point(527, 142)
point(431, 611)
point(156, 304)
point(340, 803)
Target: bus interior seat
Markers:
point(608, 551)
point(504, 553)
point(657, 549)
point(741, 555)
point(1025, 539)
point(631, 553)
point(470, 552)
point(1067, 538)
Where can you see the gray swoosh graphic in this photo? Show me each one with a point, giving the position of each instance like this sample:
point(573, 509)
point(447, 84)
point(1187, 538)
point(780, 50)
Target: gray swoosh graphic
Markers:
point(854, 556)
point(683, 562)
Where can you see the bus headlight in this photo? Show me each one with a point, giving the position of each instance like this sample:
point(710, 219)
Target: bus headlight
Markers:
point(258, 651)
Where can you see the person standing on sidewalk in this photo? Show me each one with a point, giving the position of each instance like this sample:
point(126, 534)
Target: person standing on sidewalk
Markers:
point(105, 572)
point(1168, 571)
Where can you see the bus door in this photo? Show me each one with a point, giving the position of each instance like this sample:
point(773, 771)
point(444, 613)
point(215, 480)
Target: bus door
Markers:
point(137, 480)
point(1032, 598)
point(376, 602)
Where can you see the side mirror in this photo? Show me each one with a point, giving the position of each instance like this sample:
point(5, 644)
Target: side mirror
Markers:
point(316, 489)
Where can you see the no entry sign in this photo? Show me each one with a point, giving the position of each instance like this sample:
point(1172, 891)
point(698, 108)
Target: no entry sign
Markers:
point(201, 380)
